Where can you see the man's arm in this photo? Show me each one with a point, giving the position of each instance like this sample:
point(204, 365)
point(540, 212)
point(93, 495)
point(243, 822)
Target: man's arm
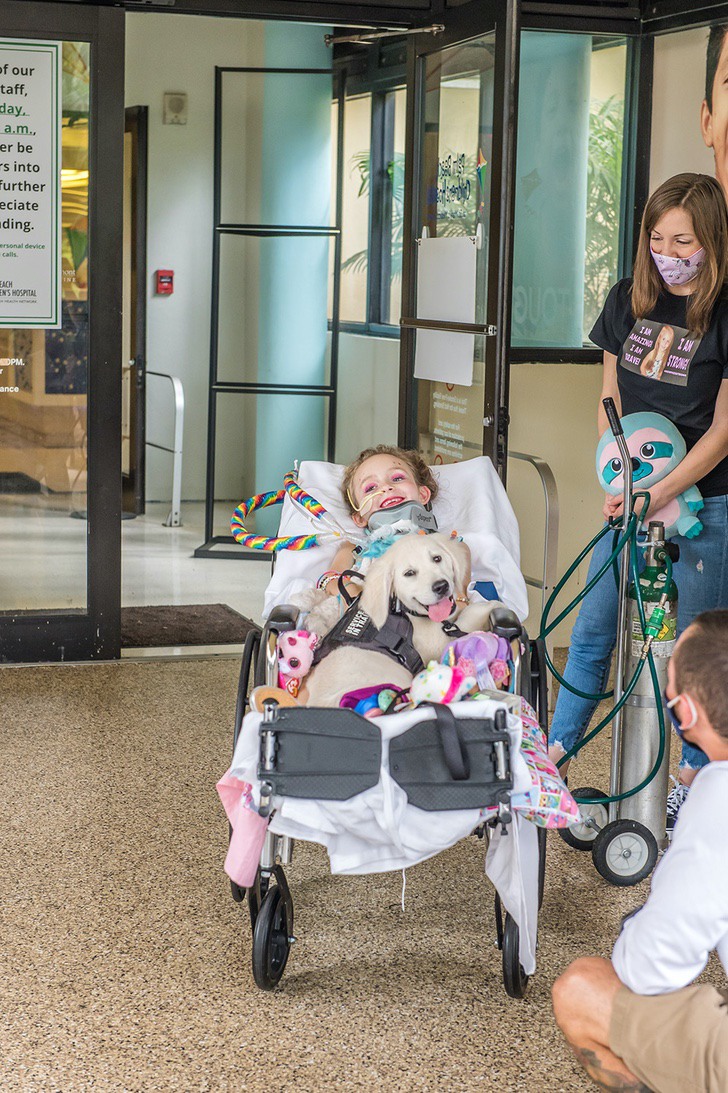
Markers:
point(666, 945)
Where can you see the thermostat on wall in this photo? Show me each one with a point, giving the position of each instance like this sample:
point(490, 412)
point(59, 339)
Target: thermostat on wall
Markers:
point(175, 108)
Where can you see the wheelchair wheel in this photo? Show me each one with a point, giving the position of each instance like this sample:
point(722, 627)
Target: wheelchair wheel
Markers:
point(250, 650)
point(541, 833)
point(237, 892)
point(580, 836)
point(515, 979)
point(256, 895)
point(272, 939)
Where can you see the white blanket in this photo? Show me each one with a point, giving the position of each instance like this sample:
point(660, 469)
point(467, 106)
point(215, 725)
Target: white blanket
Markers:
point(471, 501)
point(378, 831)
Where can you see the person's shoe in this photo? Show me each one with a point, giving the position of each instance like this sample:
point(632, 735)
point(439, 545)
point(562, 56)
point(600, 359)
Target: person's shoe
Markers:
point(675, 799)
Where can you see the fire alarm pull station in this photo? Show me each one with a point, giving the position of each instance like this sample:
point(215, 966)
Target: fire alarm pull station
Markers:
point(164, 282)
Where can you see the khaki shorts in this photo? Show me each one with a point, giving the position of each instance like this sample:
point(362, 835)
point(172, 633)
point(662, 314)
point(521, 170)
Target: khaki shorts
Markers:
point(676, 1042)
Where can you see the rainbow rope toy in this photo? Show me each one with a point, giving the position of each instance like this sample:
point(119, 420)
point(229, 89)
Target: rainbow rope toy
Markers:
point(275, 497)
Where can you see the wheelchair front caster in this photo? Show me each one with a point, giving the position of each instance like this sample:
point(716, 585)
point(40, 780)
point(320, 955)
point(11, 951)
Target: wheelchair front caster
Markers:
point(581, 836)
point(515, 979)
point(624, 852)
point(272, 938)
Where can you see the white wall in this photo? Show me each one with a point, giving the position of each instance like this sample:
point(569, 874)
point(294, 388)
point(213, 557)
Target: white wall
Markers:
point(678, 91)
point(167, 52)
point(553, 411)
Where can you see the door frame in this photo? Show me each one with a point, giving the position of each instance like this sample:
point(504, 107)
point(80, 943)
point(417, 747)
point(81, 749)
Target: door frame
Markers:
point(501, 17)
point(93, 633)
point(136, 122)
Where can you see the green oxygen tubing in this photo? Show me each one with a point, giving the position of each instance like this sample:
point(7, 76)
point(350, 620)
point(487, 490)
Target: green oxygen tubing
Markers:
point(626, 547)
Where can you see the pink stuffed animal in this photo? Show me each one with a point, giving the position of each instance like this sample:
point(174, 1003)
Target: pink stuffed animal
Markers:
point(295, 657)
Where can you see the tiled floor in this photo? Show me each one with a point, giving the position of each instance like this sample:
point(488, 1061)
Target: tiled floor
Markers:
point(44, 561)
point(158, 565)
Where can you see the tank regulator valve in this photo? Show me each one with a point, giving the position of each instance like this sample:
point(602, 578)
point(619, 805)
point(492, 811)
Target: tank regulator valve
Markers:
point(653, 626)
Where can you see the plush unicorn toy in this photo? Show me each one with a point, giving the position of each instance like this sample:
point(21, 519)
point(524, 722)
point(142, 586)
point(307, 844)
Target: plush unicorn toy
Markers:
point(656, 448)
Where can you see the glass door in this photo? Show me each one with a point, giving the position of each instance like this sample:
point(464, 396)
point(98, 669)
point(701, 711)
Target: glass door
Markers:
point(59, 401)
point(456, 286)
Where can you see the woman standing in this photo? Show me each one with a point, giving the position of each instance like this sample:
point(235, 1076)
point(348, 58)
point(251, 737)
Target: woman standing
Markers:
point(678, 282)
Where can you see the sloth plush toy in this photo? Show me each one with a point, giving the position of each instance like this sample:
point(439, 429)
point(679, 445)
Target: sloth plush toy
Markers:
point(656, 448)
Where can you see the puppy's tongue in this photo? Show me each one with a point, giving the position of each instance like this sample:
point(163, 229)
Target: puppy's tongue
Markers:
point(438, 612)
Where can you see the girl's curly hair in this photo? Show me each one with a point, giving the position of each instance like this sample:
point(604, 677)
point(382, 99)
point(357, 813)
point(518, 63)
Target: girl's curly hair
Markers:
point(422, 474)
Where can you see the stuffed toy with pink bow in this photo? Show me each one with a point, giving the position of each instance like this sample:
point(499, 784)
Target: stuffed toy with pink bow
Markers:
point(295, 657)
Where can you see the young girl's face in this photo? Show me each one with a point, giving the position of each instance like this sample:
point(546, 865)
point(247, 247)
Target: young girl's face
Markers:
point(380, 482)
point(664, 339)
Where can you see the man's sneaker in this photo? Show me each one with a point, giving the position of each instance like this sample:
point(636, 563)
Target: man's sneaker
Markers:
point(675, 798)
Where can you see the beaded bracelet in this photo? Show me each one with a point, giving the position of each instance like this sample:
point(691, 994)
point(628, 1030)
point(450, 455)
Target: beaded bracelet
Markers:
point(325, 578)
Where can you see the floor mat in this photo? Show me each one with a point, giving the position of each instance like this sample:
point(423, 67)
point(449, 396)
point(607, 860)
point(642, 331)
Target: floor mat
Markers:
point(17, 482)
point(183, 624)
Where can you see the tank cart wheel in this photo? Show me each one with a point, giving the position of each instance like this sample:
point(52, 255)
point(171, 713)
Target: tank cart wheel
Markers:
point(580, 836)
point(272, 939)
point(624, 852)
point(514, 978)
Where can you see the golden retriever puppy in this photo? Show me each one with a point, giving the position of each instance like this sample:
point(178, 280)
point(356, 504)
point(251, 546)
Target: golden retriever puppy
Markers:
point(426, 578)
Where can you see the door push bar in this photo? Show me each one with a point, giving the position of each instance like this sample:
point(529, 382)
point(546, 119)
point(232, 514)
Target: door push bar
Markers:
point(487, 331)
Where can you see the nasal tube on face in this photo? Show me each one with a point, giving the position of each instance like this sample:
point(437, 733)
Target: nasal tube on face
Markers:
point(366, 503)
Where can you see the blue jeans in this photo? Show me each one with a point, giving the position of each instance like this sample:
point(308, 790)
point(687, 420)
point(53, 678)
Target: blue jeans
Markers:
point(701, 576)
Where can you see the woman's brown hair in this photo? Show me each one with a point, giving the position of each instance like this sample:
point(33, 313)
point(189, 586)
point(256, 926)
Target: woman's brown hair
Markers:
point(422, 474)
point(704, 201)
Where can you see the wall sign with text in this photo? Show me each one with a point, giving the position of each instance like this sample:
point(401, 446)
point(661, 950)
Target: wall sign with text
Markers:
point(30, 183)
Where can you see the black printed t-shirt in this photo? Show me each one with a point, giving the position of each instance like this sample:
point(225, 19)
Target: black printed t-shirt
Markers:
point(690, 406)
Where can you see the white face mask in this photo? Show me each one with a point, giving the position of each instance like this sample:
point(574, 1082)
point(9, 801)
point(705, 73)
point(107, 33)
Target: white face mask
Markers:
point(679, 271)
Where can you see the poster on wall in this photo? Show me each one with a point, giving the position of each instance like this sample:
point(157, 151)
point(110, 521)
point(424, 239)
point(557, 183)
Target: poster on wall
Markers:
point(30, 183)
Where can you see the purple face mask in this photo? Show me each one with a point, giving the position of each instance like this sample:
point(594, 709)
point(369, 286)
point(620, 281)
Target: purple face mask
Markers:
point(678, 271)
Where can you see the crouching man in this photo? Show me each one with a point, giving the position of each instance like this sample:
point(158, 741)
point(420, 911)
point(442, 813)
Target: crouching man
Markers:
point(639, 1022)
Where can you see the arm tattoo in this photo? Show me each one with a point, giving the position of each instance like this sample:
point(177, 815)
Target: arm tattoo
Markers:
point(607, 1079)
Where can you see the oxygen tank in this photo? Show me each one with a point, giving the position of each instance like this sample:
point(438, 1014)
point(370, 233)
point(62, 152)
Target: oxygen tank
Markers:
point(640, 725)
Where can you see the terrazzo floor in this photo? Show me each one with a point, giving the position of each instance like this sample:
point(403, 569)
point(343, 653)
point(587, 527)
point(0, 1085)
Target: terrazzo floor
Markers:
point(125, 964)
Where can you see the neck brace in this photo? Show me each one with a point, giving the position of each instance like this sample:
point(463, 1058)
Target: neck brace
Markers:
point(411, 512)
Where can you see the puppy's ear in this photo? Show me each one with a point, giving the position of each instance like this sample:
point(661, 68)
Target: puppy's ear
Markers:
point(378, 590)
point(460, 552)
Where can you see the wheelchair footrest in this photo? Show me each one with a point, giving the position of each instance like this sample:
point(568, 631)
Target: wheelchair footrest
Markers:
point(418, 763)
point(324, 754)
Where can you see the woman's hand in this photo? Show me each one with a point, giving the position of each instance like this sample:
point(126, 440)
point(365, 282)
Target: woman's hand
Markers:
point(613, 506)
